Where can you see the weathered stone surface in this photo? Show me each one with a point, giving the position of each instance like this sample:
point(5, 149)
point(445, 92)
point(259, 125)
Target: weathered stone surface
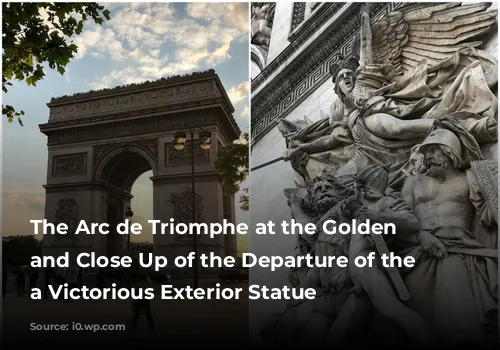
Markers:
point(100, 142)
point(402, 143)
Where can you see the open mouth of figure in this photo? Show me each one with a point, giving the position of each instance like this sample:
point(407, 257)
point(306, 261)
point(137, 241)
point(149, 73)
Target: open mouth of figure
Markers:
point(325, 196)
point(435, 164)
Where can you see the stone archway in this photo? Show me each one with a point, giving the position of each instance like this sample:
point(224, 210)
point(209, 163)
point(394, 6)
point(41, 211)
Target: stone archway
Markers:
point(100, 142)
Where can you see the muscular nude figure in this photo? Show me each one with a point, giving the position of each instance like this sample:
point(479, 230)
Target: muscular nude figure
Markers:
point(372, 284)
point(334, 280)
point(450, 282)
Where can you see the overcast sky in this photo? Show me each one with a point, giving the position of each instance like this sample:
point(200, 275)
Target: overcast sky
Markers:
point(141, 42)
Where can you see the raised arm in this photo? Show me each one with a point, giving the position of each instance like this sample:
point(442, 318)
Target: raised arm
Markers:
point(366, 54)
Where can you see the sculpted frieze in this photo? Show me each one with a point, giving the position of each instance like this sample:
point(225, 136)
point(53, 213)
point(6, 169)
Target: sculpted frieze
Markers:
point(183, 212)
point(136, 100)
point(402, 145)
point(176, 157)
point(284, 93)
point(133, 87)
point(127, 128)
point(67, 213)
point(71, 164)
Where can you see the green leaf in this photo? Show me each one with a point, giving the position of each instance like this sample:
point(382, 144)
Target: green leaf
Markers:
point(106, 14)
point(20, 121)
point(29, 81)
point(8, 73)
point(61, 70)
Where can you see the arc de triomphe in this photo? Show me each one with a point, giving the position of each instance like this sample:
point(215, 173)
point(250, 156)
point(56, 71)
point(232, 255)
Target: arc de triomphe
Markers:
point(100, 142)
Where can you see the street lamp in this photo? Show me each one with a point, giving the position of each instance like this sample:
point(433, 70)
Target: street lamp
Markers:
point(128, 216)
point(180, 140)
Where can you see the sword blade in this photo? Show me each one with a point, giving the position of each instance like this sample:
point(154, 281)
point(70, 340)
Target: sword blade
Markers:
point(393, 272)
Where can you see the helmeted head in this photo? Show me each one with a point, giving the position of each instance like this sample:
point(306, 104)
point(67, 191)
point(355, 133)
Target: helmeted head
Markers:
point(441, 149)
point(344, 76)
point(374, 176)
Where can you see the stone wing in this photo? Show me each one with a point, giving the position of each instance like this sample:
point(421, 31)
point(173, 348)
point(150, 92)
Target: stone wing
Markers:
point(431, 31)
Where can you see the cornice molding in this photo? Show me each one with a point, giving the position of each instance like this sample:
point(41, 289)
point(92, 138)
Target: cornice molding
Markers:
point(176, 79)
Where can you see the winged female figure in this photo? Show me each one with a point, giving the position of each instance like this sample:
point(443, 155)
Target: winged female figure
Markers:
point(416, 65)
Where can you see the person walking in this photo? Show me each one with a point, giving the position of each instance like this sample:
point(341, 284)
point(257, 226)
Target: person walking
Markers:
point(144, 305)
point(60, 279)
point(72, 276)
point(34, 272)
point(5, 278)
point(21, 281)
point(81, 272)
point(48, 275)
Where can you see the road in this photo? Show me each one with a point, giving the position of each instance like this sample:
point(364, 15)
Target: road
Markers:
point(177, 321)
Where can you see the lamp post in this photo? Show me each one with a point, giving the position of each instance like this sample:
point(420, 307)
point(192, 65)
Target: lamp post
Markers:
point(128, 216)
point(180, 140)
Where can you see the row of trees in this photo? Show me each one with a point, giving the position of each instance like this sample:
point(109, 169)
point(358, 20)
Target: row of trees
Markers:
point(18, 250)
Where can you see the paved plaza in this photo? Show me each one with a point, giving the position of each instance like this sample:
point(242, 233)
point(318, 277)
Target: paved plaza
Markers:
point(176, 320)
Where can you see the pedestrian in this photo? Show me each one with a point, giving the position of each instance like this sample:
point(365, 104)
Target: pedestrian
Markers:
point(48, 275)
point(5, 278)
point(72, 276)
point(142, 305)
point(81, 272)
point(33, 277)
point(21, 281)
point(100, 279)
point(60, 279)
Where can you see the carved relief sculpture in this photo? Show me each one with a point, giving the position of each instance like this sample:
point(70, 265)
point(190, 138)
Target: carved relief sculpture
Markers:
point(67, 165)
point(402, 145)
point(183, 212)
point(67, 213)
point(184, 157)
point(261, 26)
point(386, 87)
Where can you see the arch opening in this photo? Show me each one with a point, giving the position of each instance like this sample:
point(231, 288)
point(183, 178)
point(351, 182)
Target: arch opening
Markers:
point(120, 170)
point(124, 168)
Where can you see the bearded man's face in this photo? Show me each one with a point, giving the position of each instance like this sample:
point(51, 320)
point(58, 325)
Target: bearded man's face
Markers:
point(436, 161)
point(324, 197)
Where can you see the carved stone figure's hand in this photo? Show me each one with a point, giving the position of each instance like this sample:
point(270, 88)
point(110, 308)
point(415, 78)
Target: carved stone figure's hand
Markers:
point(491, 122)
point(400, 205)
point(492, 125)
point(432, 245)
point(295, 201)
